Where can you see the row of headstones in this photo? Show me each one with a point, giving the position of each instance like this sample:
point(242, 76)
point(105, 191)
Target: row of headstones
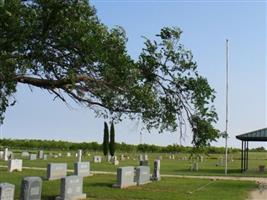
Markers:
point(131, 176)
point(71, 186)
point(31, 189)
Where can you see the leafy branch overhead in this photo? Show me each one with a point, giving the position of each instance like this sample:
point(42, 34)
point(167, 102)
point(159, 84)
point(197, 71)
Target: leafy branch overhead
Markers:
point(62, 47)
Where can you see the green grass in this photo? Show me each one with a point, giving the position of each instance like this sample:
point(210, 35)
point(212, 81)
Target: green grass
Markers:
point(175, 167)
point(100, 187)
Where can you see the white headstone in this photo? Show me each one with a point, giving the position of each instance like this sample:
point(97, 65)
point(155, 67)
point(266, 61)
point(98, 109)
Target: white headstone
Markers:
point(6, 154)
point(80, 152)
point(15, 165)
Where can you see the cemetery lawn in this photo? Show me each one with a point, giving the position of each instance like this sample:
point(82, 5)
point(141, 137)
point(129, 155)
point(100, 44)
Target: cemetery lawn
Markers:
point(100, 187)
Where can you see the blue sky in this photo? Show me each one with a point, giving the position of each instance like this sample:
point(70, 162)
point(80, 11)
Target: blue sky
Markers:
point(205, 25)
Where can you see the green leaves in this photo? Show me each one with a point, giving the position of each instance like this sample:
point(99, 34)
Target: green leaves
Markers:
point(62, 46)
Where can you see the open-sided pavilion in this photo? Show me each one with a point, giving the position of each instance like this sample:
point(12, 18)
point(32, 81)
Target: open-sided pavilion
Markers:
point(253, 136)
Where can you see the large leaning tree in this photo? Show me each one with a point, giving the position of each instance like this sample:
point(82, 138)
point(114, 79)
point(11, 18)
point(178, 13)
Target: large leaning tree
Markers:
point(62, 47)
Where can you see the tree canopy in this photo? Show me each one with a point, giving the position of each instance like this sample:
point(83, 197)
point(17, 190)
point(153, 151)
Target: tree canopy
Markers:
point(62, 47)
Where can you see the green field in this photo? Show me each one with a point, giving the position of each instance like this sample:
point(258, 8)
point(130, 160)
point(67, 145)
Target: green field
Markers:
point(99, 186)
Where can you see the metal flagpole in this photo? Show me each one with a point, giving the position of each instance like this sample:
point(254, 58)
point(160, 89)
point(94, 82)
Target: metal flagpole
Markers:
point(226, 114)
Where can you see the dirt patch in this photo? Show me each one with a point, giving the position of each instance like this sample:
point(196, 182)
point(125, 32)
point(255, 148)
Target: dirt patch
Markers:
point(260, 193)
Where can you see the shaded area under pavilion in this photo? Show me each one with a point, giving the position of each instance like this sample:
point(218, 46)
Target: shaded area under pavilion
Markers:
point(253, 136)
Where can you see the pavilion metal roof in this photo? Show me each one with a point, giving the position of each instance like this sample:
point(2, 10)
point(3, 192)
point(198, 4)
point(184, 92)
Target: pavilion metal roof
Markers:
point(258, 135)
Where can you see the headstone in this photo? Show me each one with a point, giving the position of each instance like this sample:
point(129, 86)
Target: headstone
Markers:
point(97, 159)
point(109, 158)
point(115, 162)
point(122, 157)
point(15, 165)
point(194, 166)
point(142, 175)
point(82, 169)
point(156, 170)
point(33, 156)
point(55, 156)
point(125, 177)
point(25, 154)
point(6, 154)
point(143, 163)
point(56, 171)
point(159, 158)
point(261, 168)
point(201, 158)
point(68, 154)
point(7, 191)
point(141, 157)
point(71, 188)
point(31, 188)
point(40, 154)
point(1, 154)
point(80, 153)
point(59, 154)
point(145, 157)
point(45, 157)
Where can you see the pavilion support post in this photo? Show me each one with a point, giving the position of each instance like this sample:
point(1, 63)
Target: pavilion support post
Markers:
point(247, 157)
point(242, 156)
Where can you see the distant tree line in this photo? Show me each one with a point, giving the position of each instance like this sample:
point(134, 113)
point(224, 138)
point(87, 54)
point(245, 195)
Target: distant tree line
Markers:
point(25, 144)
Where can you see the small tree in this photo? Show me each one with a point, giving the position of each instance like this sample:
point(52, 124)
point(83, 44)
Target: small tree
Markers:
point(105, 139)
point(112, 140)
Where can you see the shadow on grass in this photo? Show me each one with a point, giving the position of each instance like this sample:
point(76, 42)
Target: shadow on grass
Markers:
point(101, 185)
point(47, 197)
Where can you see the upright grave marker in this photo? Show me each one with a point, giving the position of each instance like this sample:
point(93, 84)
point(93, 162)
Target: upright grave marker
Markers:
point(156, 170)
point(125, 177)
point(71, 188)
point(31, 188)
point(82, 169)
point(40, 154)
point(33, 156)
point(7, 191)
point(6, 154)
point(56, 171)
point(80, 152)
point(15, 165)
point(142, 175)
point(25, 154)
